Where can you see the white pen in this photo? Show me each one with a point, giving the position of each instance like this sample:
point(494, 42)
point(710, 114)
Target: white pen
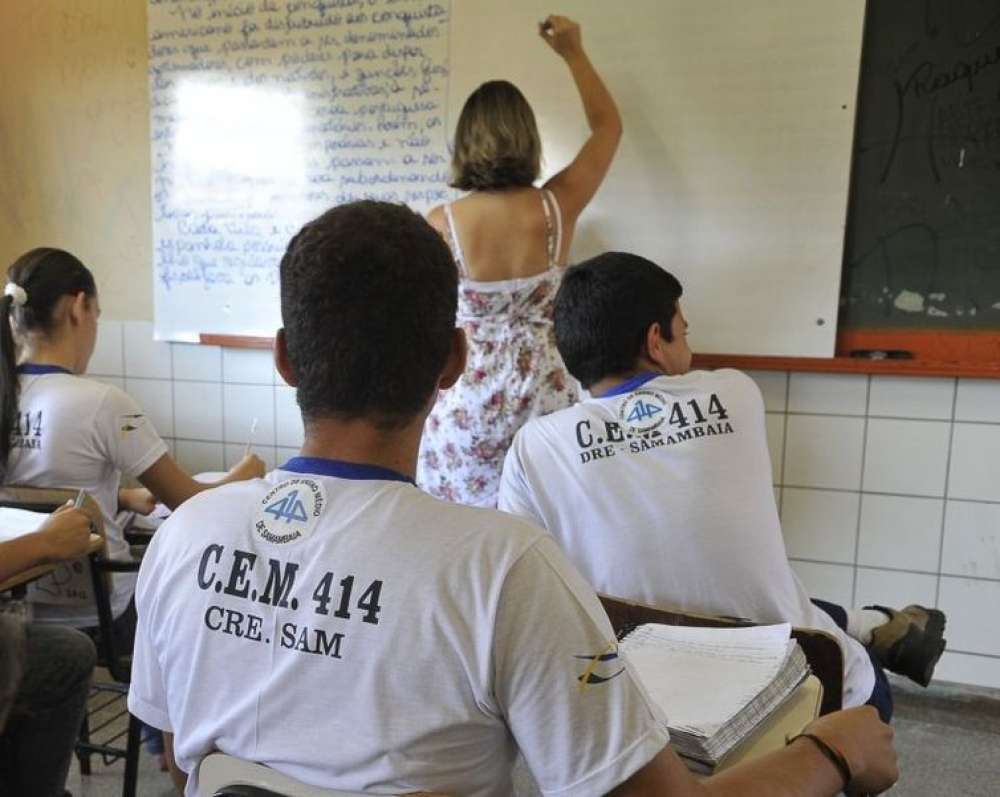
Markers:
point(253, 429)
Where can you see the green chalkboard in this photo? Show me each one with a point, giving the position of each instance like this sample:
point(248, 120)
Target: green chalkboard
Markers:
point(922, 247)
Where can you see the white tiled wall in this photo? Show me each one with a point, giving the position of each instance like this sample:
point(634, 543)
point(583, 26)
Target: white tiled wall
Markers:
point(889, 491)
point(889, 487)
point(202, 399)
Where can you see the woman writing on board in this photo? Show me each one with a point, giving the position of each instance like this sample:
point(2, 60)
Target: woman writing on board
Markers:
point(510, 241)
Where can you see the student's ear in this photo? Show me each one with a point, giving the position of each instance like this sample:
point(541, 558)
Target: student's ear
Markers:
point(281, 362)
point(77, 308)
point(654, 342)
point(454, 366)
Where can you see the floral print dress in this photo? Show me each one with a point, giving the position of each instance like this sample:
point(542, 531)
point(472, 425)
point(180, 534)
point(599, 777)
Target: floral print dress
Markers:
point(514, 373)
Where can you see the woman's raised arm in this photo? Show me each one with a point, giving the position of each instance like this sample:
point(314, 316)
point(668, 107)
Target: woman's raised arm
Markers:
point(576, 185)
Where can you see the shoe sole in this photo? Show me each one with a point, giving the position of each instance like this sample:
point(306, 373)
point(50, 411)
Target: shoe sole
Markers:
point(919, 651)
point(934, 627)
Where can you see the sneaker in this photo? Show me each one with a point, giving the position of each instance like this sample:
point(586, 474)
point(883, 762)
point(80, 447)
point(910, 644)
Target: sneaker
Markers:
point(911, 642)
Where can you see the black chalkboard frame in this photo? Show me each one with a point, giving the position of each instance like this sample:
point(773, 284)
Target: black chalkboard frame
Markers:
point(928, 108)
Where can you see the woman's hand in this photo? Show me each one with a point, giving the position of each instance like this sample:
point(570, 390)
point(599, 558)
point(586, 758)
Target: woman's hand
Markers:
point(561, 34)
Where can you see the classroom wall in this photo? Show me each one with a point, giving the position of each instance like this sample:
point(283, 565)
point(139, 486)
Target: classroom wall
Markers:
point(887, 485)
point(74, 125)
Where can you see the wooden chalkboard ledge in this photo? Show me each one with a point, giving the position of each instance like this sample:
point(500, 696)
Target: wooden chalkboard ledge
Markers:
point(829, 365)
point(236, 341)
point(848, 365)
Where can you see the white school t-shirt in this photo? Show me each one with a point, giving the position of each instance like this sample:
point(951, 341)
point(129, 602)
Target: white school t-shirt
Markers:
point(78, 433)
point(336, 623)
point(660, 492)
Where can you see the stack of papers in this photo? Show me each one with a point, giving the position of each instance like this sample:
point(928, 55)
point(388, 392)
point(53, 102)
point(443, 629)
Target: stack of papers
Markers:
point(715, 685)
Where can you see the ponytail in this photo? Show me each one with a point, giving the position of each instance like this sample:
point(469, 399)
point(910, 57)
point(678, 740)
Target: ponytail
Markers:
point(36, 282)
point(9, 387)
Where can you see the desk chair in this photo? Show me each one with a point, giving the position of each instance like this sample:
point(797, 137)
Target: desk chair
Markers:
point(221, 775)
point(821, 649)
point(106, 706)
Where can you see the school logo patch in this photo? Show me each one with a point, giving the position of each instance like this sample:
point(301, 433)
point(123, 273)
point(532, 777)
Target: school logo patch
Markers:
point(130, 423)
point(600, 667)
point(289, 511)
point(643, 411)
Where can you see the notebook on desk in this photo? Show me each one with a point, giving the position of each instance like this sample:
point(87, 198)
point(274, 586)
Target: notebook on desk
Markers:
point(16, 523)
point(715, 685)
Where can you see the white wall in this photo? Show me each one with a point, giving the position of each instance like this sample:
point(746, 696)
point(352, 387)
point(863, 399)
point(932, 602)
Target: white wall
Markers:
point(889, 490)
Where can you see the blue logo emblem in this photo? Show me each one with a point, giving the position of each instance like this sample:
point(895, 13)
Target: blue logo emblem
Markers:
point(289, 509)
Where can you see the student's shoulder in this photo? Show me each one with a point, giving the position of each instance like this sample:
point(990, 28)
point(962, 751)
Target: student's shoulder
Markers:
point(543, 426)
point(78, 389)
point(476, 526)
point(107, 396)
point(211, 513)
point(728, 377)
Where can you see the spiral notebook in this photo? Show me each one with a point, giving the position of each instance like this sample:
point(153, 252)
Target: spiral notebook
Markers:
point(714, 685)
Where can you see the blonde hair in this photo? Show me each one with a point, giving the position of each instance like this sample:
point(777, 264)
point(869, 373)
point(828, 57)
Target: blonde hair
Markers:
point(496, 140)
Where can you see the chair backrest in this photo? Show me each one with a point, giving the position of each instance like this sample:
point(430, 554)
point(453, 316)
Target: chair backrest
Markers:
point(221, 775)
point(821, 649)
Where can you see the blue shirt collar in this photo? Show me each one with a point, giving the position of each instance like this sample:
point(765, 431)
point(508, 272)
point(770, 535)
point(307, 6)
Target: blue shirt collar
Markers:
point(630, 384)
point(36, 369)
point(321, 466)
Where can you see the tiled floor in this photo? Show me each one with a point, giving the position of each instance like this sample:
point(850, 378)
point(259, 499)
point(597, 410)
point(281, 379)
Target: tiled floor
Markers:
point(947, 737)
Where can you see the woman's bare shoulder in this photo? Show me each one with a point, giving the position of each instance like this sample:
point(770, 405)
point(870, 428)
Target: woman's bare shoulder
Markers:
point(437, 219)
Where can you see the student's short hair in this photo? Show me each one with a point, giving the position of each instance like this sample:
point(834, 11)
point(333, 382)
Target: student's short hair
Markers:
point(368, 298)
point(496, 140)
point(604, 309)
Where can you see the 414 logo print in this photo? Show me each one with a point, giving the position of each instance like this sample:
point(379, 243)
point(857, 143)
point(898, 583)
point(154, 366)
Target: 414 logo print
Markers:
point(643, 411)
point(290, 510)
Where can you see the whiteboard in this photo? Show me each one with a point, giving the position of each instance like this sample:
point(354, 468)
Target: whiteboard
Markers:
point(733, 170)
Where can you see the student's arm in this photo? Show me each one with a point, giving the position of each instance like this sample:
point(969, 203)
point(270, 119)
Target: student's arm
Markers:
point(136, 499)
point(168, 482)
point(64, 535)
point(128, 439)
point(575, 185)
point(799, 770)
point(514, 495)
point(177, 775)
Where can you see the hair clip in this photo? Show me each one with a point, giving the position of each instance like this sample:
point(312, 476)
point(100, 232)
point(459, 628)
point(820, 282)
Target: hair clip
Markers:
point(17, 294)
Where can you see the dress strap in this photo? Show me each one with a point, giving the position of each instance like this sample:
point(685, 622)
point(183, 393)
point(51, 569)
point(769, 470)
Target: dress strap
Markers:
point(456, 246)
point(553, 226)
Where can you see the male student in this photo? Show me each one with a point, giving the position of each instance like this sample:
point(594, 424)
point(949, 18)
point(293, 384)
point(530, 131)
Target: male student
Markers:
point(333, 621)
point(658, 487)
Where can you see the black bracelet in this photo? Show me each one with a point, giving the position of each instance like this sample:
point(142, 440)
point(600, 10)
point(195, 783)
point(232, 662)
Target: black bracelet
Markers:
point(835, 756)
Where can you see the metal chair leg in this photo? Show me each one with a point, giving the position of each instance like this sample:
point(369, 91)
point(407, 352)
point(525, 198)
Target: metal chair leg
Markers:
point(81, 755)
point(132, 756)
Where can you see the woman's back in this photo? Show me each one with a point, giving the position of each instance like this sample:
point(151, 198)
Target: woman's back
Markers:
point(504, 235)
point(513, 371)
point(509, 240)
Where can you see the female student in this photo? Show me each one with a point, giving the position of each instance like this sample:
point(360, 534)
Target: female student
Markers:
point(44, 669)
point(509, 240)
point(58, 429)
